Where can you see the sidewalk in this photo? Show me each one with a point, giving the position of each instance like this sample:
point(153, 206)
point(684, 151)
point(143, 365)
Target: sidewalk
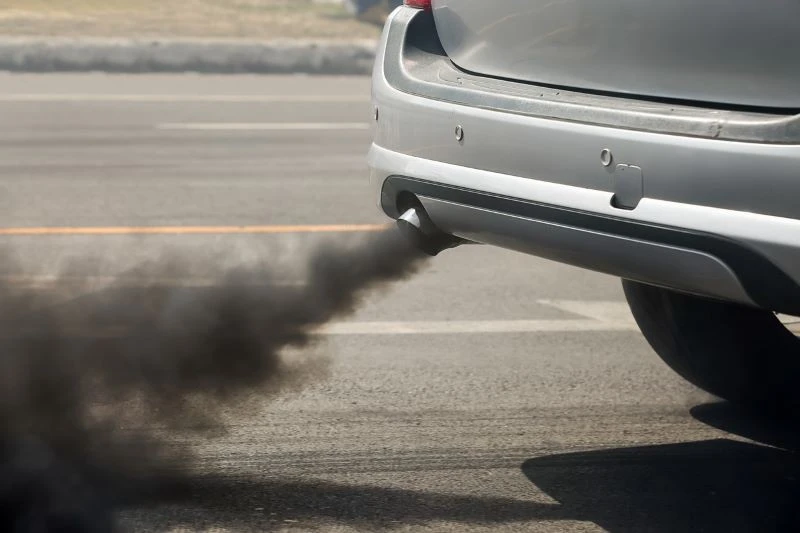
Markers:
point(172, 55)
point(222, 36)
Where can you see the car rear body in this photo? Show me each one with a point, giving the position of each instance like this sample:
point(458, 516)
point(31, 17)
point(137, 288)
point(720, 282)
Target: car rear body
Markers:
point(632, 166)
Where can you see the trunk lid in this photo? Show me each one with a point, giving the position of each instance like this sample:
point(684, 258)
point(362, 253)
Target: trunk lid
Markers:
point(725, 52)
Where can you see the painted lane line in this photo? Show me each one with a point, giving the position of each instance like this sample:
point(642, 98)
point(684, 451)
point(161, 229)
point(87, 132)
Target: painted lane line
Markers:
point(403, 328)
point(602, 311)
point(263, 126)
point(183, 98)
point(191, 230)
point(618, 312)
point(472, 327)
point(133, 282)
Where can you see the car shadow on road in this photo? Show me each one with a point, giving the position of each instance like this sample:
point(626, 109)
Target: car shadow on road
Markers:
point(713, 485)
point(770, 431)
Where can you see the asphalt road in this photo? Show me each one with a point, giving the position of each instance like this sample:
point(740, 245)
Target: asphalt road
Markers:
point(491, 392)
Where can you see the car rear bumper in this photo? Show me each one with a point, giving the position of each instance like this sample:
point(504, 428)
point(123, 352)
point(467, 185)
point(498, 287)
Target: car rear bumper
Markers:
point(693, 199)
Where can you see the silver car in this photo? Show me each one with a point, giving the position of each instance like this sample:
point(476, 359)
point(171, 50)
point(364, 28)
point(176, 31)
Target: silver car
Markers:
point(654, 141)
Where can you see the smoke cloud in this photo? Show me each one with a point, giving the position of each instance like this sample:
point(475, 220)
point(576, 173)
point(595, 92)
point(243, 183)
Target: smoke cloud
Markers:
point(94, 395)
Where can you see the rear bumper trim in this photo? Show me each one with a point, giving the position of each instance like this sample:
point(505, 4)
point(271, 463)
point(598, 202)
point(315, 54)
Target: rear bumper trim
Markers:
point(765, 284)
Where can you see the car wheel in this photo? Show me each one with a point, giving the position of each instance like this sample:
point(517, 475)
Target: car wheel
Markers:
point(738, 353)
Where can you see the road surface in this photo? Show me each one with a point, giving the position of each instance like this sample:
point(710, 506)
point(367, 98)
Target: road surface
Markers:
point(492, 392)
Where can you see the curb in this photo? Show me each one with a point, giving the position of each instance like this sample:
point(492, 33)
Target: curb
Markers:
point(203, 56)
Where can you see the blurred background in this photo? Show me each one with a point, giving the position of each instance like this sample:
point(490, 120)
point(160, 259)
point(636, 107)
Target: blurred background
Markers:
point(251, 19)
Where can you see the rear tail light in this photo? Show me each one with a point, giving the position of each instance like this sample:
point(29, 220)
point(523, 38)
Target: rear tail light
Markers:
point(419, 4)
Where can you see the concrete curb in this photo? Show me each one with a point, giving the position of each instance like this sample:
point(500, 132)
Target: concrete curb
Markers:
point(183, 55)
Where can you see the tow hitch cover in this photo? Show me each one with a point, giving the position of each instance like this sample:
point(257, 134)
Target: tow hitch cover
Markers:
point(628, 187)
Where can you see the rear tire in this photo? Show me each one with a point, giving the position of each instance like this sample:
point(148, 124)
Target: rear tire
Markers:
point(738, 353)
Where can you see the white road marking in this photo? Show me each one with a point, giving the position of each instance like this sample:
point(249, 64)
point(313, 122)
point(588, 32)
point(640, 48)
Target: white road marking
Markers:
point(264, 126)
point(788, 319)
point(792, 323)
point(616, 312)
point(100, 282)
point(409, 328)
point(598, 316)
point(187, 98)
point(472, 326)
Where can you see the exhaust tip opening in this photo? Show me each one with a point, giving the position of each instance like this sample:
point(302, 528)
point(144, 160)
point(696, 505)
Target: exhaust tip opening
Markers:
point(419, 229)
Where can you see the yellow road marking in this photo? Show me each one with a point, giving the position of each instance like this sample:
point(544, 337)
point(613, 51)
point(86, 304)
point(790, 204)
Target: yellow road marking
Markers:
point(183, 98)
point(192, 230)
point(264, 126)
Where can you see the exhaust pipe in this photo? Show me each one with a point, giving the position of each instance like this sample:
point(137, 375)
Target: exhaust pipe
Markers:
point(417, 227)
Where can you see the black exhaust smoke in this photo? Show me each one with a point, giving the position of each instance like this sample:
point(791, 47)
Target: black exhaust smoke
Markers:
point(94, 396)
